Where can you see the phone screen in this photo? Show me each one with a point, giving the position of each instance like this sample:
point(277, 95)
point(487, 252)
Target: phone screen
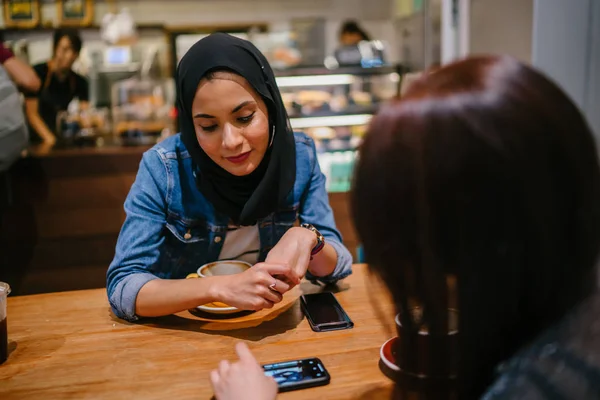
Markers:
point(298, 374)
point(323, 308)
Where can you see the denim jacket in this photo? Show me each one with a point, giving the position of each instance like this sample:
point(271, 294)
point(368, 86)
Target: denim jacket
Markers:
point(171, 229)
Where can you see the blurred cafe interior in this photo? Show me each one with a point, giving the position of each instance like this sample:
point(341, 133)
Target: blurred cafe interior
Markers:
point(68, 198)
point(62, 201)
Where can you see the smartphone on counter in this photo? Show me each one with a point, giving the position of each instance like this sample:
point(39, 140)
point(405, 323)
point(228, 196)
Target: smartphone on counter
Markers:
point(298, 374)
point(324, 313)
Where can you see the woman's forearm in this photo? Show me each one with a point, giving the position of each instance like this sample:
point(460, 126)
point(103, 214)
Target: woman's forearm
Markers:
point(22, 74)
point(38, 124)
point(324, 262)
point(163, 297)
point(40, 127)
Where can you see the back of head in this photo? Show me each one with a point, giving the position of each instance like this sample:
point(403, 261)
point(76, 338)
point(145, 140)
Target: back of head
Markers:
point(484, 170)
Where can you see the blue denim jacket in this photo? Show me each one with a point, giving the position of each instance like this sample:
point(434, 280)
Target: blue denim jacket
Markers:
point(171, 229)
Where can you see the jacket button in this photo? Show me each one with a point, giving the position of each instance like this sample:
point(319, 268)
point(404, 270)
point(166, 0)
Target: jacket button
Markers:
point(187, 235)
point(217, 239)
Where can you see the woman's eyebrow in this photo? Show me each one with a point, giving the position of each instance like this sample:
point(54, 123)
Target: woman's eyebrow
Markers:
point(235, 109)
point(203, 116)
point(241, 105)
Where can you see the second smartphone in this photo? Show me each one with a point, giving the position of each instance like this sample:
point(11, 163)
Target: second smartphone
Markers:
point(324, 313)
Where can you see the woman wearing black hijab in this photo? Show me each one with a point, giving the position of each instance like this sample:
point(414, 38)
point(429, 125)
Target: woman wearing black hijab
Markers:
point(231, 185)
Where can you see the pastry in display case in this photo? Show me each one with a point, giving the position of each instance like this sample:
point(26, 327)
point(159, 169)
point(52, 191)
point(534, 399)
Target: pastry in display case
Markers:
point(312, 92)
point(334, 107)
point(142, 110)
point(88, 127)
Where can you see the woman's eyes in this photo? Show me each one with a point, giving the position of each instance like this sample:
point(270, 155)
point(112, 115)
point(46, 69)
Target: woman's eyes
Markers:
point(246, 119)
point(243, 120)
point(210, 128)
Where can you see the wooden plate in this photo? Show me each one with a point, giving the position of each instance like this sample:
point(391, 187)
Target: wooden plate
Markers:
point(244, 319)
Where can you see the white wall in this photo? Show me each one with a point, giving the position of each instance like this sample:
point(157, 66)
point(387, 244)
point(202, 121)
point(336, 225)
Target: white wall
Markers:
point(566, 45)
point(502, 27)
point(410, 38)
point(592, 101)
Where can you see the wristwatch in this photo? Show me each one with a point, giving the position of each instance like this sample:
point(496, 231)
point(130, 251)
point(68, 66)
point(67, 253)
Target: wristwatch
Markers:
point(320, 239)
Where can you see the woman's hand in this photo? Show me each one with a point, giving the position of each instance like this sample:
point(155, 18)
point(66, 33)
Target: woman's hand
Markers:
point(294, 249)
point(255, 288)
point(243, 379)
point(49, 140)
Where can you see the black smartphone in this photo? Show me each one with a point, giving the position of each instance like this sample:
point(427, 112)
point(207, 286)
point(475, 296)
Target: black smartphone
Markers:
point(298, 374)
point(324, 313)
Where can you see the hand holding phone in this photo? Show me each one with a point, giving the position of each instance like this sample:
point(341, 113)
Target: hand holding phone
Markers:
point(324, 313)
point(243, 379)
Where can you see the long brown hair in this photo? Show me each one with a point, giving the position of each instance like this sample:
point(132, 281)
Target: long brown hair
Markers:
point(484, 170)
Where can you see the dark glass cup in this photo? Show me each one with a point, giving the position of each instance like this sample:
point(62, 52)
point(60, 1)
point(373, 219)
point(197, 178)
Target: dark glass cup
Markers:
point(4, 291)
point(428, 360)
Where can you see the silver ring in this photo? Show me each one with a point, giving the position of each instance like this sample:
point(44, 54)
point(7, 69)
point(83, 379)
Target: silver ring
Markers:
point(272, 286)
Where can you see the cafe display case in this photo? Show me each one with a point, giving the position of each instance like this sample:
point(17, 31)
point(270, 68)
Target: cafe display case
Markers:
point(142, 110)
point(77, 127)
point(334, 107)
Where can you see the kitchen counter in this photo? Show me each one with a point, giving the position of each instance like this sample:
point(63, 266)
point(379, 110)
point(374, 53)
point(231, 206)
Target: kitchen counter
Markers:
point(60, 229)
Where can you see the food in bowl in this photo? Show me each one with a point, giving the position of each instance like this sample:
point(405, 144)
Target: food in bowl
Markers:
point(220, 268)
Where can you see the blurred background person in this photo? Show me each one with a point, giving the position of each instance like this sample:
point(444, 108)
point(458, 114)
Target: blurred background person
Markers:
point(14, 74)
point(13, 129)
point(351, 34)
point(19, 72)
point(60, 85)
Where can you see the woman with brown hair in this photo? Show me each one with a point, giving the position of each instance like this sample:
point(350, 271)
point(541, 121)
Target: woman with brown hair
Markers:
point(486, 171)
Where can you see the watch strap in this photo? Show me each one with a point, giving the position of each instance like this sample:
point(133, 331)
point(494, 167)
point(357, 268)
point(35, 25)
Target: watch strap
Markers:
point(320, 239)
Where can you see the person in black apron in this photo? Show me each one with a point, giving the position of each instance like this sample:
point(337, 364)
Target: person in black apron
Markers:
point(60, 85)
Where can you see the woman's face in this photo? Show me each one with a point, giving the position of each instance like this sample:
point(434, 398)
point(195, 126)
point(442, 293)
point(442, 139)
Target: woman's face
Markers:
point(350, 38)
point(231, 123)
point(64, 54)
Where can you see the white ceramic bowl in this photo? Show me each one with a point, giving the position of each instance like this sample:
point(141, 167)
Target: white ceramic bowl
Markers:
point(218, 268)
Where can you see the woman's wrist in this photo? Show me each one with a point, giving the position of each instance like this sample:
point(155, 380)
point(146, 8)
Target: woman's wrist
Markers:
point(324, 262)
point(307, 238)
point(210, 289)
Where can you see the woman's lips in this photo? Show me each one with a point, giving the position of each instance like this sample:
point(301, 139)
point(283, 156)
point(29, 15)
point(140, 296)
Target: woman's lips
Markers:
point(239, 159)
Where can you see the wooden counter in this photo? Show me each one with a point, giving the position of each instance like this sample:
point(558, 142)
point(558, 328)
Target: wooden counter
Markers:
point(67, 210)
point(60, 231)
point(70, 346)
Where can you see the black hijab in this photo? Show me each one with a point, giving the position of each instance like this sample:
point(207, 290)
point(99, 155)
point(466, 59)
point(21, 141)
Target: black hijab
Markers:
point(244, 199)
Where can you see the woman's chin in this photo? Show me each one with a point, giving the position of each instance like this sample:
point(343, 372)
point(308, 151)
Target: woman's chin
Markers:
point(243, 169)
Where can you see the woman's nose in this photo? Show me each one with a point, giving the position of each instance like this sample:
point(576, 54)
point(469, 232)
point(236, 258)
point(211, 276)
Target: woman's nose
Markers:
point(232, 138)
